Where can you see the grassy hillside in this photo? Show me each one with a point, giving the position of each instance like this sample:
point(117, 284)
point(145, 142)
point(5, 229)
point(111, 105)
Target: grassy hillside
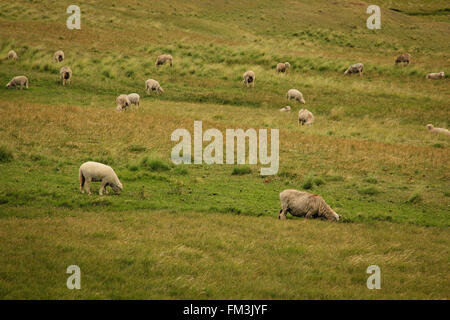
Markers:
point(203, 231)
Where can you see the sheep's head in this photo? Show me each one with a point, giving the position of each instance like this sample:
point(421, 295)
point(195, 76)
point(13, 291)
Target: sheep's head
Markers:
point(429, 126)
point(8, 85)
point(302, 101)
point(160, 90)
point(281, 215)
point(287, 64)
point(117, 187)
point(334, 217)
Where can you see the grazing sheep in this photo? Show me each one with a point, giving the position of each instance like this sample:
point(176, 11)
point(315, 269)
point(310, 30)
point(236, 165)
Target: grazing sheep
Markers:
point(355, 68)
point(296, 95)
point(134, 99)
point(283, 67)
point(123, 102)
point(435, 76)
point(162, 59)
point(249, 78)
point(404, 57)
point(285, 109)
point(305, 117)
point(303, 204)
point(153, 85)
point(21, 81)
point(65, 75)
point(432, 129)
point(59, 56)
point(13, 55)
point(95, 171)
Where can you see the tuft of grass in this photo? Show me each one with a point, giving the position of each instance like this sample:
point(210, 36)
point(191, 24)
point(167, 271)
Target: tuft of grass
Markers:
point(136, 148)
point(154, 164)
point(6, 155)
point(309, 183)
point(415, 198)
point(371, 180)
point(371, 191)
point(318, 181)
point(241, 170)
point(181, 170)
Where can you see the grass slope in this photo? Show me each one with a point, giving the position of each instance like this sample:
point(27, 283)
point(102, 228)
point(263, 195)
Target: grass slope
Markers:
point(204, 231)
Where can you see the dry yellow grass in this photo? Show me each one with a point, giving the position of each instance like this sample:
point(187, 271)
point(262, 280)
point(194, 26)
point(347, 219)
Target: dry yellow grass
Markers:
point(198, 256)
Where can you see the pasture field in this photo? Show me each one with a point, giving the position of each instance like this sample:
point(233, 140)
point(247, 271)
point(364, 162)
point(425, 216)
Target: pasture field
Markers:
point(211, 231)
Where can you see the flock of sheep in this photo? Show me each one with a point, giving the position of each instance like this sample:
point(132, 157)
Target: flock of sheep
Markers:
point(295, 202)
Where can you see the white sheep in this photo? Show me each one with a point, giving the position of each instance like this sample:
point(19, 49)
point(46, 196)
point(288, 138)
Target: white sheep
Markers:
point(153, 85)
point(355, 68)
point(296, 95)
point(59, 56)
point(249, 78)
point(65, 75)
point(404, 57)
point(95, 171)
point(13, 55)
point(285, 109)
point(19, 81)
point(303, 204)
point(162, 59)
point(305, 117)
point(134, 99)
point(123, 102)
point(435, 76)
point(432, 129)
point(283, 67)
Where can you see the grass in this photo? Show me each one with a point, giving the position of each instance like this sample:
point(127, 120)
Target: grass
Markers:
point(368, 153)
point(5, 154)
point(241, 170)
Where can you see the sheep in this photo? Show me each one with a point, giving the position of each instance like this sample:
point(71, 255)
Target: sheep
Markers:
point(59, 56)
point(283, 67)
point(21, 81)
point(162, 59)
point(303, 204)
point(134, 99)
point(285, 109)
point(435, 76)
point(153, 85)
point(12, 55)
point(123, 102)
point(249, 78)
point(404, 57)
point(432, 129)
point(66, 75)
point(296, 95)
point(305, 117)
point(95, 171)
point(355, 68)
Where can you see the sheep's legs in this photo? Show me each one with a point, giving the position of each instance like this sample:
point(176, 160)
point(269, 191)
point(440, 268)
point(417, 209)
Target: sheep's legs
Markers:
point(102, 188)
point(82, 181)
point(282, 214)
point(88, 185)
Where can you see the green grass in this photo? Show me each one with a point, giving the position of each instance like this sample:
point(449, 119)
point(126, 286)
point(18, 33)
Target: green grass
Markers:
point(5, 154)
point(211, 231)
